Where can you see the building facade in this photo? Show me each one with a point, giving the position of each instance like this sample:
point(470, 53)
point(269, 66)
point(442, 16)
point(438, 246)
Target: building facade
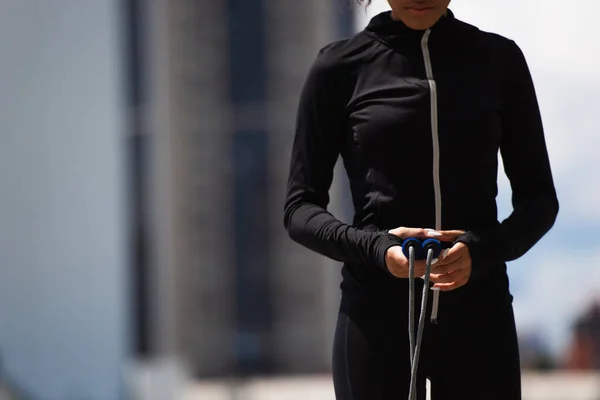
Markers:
point(230, 293)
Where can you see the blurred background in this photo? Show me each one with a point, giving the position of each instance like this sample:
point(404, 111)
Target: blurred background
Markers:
point(144, 152)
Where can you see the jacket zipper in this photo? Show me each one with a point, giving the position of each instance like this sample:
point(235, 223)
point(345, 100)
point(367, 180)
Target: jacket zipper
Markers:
point(434, 130)
point(436, 152)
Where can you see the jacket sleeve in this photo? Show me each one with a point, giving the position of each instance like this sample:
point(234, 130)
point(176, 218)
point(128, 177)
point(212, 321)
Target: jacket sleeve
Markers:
point(526, 164)
point(320, 124)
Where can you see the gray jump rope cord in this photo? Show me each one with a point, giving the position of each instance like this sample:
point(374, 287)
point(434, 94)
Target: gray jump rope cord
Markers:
point(415, 348)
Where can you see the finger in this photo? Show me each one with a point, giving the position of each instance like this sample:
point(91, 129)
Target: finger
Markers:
point(445, 268)
point(450, 235)
point(445, 287)
point(448, 277)
point(442, 278)
point(419, 233)
point(451, 255)
point(454, 285)
point(404, 233)
point(445, 259)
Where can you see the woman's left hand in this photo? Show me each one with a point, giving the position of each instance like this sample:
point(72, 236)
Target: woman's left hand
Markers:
point(453, 270)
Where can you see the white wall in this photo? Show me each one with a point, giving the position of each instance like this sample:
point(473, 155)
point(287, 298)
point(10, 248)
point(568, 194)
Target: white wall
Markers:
point(62, 228)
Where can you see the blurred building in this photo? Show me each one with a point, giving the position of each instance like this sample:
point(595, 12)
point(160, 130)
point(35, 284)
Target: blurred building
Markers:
point(534, 353)
point(584, 352)
point(229, 292)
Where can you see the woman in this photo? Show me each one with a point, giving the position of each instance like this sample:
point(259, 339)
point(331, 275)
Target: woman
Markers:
point(418, 105)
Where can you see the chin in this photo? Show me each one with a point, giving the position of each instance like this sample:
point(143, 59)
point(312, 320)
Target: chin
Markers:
point(420, 25)
point(423, 24)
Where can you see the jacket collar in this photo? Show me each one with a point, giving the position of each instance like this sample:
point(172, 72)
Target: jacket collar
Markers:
point(384, 26)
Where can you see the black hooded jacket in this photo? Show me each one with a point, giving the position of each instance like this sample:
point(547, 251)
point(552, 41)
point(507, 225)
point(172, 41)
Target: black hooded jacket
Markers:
point(419, 118)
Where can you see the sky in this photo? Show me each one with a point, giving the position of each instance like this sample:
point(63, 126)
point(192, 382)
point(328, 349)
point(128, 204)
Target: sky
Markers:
point(557, 279)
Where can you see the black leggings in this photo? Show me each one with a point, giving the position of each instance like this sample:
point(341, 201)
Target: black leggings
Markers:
point(471, 353)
